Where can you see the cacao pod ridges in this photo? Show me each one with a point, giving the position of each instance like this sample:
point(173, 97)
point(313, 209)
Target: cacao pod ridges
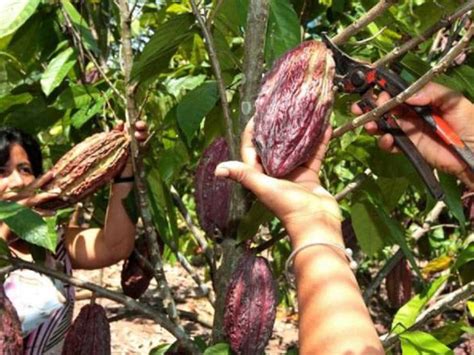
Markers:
point(293, 107)
point(398, 283)
point(212, 194)
point(89, 333)
point(11, 339)
point(250, 305)
point(86, 167)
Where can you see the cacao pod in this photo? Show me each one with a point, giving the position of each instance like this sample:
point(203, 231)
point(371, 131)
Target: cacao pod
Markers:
point(87, 167)
point(89, 333)
point(11, 339)
point(293, 107)
point(398, 283)
point(212, 194)
point(135, 276)
point(250, 305)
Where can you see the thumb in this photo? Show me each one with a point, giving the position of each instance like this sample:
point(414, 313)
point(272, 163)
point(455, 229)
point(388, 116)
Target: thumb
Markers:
point(249, 177)
point(431, 94)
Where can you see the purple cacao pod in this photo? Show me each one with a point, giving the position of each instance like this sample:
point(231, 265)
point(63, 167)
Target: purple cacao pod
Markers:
point(250, 305)
point(398, 283)
point(89, 333)
point(87, 167)
point(11, 339)
point(293, 107)
point(212, 194)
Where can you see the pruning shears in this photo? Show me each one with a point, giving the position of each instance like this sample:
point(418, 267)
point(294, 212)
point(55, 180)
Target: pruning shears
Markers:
point(353, 76)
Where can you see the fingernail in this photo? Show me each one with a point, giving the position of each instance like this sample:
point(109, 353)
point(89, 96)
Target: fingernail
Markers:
point(221, 171)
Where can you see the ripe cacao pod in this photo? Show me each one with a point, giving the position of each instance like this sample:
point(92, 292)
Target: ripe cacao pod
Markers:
point(398, 283)
point(89, 333)
point(250, 305)
point(293, 107)
point(135, 277)
point(11, 339)
point(212, 194)
point(87, 167)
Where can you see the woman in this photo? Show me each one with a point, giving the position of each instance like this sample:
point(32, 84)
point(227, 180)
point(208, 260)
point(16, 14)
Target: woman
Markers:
point(20, 165)
point(333, 318)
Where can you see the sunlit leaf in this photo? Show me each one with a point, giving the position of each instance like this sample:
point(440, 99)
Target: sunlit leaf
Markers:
point(419, 343)
point(218, 349)
point(57, 70)
point(14, 13)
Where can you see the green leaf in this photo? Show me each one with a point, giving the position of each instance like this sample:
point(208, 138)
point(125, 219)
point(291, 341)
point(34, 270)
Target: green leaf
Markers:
point(369, 227)
point(465, 256)
point(194, 107)
point(283, 32)
point(11, 100)
point(14, 13)
point(406, 315)
point(452, 198)
point(28, 225)
point(162, 46)
point(470, 307)
point(4, 251)
point(218, 349)
point(450, 332)
point(86, 113)
point(253, 219)
point(57, 70)
point(81, 25)
point(420, 343)
point(160, 349)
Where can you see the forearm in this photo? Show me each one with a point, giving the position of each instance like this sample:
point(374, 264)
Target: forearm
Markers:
point(333, 316)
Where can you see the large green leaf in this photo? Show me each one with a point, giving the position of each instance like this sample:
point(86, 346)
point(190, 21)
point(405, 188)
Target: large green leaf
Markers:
point(283, 32)
point(81, 25)
point(218, 349)
point(162, 46)
point(420, 343)
point(57, 70)
point(452, 198)
point(11, 100)
point(465, 256)
point(406, 315)
point(194, 107)
point(28, 225)
point(14, 13)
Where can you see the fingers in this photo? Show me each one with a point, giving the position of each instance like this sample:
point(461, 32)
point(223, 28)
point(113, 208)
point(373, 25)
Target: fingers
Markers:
point(432, 94)
point(314, 163)
point(247, 148)
point(254, 180)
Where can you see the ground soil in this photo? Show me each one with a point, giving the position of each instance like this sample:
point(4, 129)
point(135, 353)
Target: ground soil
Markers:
point(132, 334)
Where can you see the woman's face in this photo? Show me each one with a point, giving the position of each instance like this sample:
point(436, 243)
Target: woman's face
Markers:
point(17, 172)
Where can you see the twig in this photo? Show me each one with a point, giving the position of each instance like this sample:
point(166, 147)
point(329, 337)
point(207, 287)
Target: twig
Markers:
point(431, 217)
point(128, 302)
point(131, 113)
point(467, 195)
point(449, 300)
point(178, 202)
point(229, 126)
point(91, 57)
point(367, 40)
point(415, 41)
point(404, 95)
point(255, 35)
point(373, 13)
point(213, 13)
point(270, 242)
point(353, 185)
point(6, 269)
point(447, 225)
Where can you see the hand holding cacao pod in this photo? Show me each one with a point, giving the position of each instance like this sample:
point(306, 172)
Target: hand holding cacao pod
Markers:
point(295, 200)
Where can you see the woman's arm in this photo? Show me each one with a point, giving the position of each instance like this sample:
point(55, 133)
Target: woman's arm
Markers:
point(95, 248)
point(333, 316)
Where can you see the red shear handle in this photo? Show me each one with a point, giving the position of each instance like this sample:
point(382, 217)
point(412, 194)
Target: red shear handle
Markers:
point(447, 134)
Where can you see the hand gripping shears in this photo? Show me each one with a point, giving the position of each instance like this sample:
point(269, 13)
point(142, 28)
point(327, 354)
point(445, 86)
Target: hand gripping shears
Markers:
point(353, 76)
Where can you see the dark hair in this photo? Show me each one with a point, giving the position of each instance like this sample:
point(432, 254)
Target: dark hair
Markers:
point(9, 136)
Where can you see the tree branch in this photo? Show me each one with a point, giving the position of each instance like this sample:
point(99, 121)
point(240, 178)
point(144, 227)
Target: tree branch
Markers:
point(370, 16)
point(255, 35)
point(404, 95)
point(128, 302)
point(229, 125)
point(449, 300)
point(415, 41)
point(137, 161)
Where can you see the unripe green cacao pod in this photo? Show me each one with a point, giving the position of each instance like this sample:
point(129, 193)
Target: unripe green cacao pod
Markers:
point(293, 107)
point(87, 167)
point(250, 305)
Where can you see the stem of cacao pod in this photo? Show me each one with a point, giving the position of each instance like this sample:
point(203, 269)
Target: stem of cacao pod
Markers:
point(143, 204)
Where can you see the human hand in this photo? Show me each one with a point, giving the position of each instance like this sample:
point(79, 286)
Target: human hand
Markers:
point(141, 135)
point(299, 200)
point(453, 107)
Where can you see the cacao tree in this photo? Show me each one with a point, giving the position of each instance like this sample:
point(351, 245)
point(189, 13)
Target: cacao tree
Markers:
point(192, 70)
